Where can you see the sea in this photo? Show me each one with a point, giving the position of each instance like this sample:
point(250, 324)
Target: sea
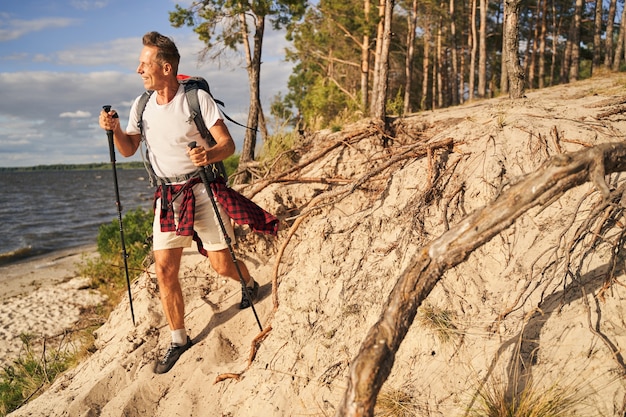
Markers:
point(46, 211)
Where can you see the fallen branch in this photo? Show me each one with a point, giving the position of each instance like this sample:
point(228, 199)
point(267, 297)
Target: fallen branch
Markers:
point(375, 359)
point(227, 375)
point(254, 347)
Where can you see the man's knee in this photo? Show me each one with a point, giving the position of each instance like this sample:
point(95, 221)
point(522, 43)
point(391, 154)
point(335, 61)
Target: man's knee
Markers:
point(167, 265)
point(222, 267)
point(222, 263)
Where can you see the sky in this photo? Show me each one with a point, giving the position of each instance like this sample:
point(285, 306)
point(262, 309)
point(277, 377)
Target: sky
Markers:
point(62, 60)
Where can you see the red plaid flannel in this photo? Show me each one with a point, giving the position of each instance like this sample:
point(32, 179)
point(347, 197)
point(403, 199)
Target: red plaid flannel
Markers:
point(238, 207)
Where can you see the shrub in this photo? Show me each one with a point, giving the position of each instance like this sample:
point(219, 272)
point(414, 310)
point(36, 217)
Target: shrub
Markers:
point(29, 374)
point(107, 271)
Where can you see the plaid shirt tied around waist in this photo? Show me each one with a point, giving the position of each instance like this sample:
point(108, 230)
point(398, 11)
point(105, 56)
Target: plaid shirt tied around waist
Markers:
point(239, 208)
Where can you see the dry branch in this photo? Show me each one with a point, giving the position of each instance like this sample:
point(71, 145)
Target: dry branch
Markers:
point(417, 150)
point(356, 136)
point(374, 361)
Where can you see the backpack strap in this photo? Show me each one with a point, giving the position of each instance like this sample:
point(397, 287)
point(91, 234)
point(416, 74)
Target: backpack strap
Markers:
point(191, 92)
point(141, 107)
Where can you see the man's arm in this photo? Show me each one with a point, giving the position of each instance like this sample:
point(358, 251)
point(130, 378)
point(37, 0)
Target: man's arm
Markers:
point(126, 144)
point(224, 147)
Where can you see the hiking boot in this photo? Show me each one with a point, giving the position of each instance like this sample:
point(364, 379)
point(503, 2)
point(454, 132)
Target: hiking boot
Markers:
point(254, 292)
point(171, 356)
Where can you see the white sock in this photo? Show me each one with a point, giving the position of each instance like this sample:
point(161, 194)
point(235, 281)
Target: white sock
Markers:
point(250, 284)
point(179, 337)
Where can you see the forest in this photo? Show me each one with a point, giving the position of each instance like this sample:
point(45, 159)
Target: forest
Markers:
point(362, 58)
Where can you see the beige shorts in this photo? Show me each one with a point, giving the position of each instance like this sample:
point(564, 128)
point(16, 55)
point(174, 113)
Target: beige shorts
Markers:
point(205, 224)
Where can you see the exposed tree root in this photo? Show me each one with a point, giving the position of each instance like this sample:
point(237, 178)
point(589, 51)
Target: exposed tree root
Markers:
point(254, 347)
point(373, 363)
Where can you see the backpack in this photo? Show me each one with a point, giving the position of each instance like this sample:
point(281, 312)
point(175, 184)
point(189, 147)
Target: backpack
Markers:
point(192, 85)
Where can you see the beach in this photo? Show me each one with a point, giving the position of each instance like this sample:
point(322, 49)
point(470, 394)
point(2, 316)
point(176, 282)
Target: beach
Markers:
point(42, 296)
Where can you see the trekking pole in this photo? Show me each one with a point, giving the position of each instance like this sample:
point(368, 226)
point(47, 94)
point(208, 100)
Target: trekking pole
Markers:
point(119, 211)
point(209, 190)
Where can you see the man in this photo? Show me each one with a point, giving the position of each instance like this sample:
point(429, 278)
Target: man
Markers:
point(167, 133)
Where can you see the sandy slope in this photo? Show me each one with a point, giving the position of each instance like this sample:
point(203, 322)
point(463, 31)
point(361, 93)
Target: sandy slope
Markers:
point(516, 310)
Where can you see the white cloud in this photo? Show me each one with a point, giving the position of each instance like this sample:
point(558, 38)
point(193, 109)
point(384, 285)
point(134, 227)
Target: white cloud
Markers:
point(51, 116)
point(80, 114)
point(122, 53)
point(11, 29)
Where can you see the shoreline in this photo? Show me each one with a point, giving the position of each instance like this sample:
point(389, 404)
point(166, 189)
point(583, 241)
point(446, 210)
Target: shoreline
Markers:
point(30, 274)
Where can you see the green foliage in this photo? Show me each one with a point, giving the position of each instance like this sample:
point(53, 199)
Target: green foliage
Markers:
point(278, 152)
point(29, 374)
point(325, 105)
point(107, 271)
point(231, 164)
point(396, 106)
point(218, 22)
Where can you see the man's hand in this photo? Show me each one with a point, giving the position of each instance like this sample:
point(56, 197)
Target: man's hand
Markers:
point(109, 121)
point(199, 156)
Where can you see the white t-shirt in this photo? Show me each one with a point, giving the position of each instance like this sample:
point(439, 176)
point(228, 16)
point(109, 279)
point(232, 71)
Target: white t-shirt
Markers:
point(168, 129)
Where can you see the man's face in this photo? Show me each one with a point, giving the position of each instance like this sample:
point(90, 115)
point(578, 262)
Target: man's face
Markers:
point(152, 73)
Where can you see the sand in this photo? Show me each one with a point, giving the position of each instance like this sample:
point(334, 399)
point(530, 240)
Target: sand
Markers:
point(42, 296)
point(532, 308)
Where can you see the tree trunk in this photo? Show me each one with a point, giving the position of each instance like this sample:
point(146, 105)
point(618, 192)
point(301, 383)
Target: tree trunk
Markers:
point(542, 44)
point(365, 60)
point(426, 64)
point(438, 87)
point(574, 68)
point(462, 61)
point(408, 66)
point(374, 361)
point(482, 51)
point(380, 34)
point(454, 71)
point(556, 29)
point(531, 50)
point(255, 115)
point(473, 41)
point(619, 49)
point(380, 107)
point(514, 70)
point(504, 76)
point(610, 22)
point(597, 37)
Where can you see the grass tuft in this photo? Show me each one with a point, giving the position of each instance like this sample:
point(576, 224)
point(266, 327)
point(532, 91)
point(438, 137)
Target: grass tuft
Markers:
point(532, 401)
point(439, 320)
point(395, 403)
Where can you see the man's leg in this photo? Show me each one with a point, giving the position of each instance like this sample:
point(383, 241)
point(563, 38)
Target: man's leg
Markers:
point(167, 264)
point(223, 264)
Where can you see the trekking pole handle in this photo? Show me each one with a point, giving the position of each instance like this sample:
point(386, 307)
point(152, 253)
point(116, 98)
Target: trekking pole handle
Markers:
point(193, 145)
point(107, 109)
